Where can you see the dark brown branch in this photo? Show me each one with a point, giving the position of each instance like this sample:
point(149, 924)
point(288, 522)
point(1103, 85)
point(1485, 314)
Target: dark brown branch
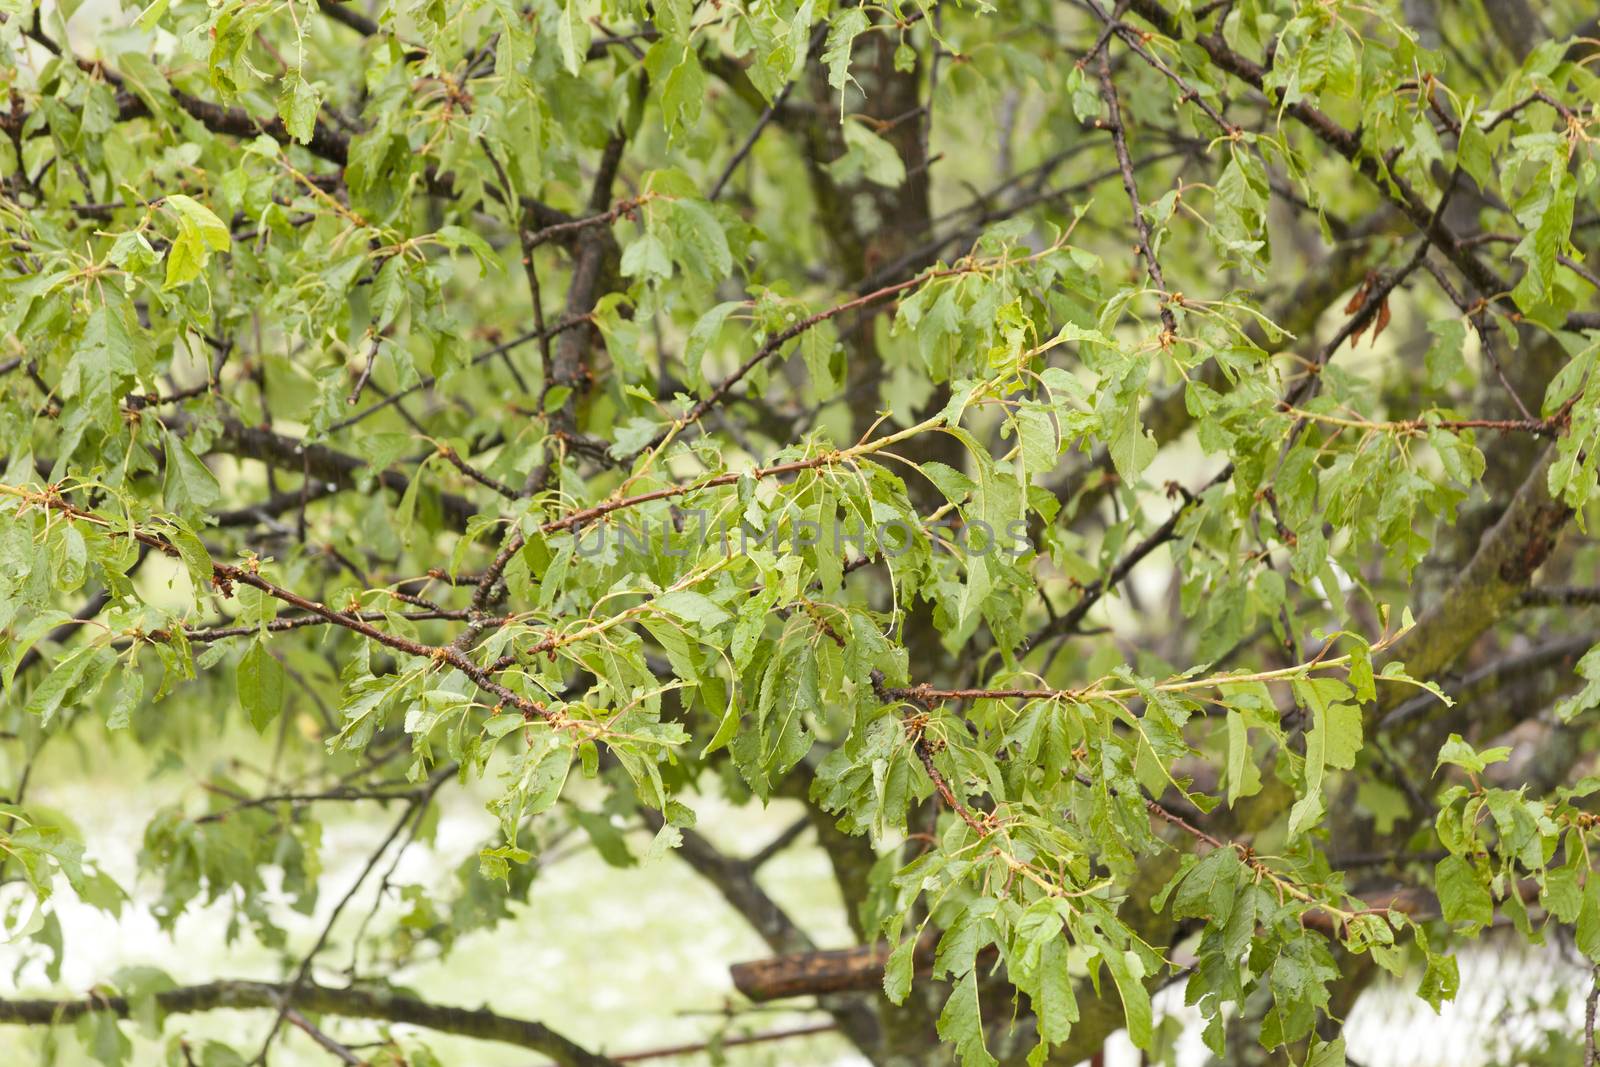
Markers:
point(1559, 654)
point(206, 635)
point(366, 374)
point(482, 357)
point(788, 837)
point(337, 469)
point(325, 142)
point(1487, 329)
point(1589, 1004)
point(593, 259)
point(737, 883)
point(454, 459)
point(924, 254)
point(530, 267)
point(344, 12)
point(563, 230)
point(812, 973)
point(302, 973)
point(750, 140)
point(1374, 298)
point(1131, 38)
point(861, 968)
point(1560, 596)
point(360, 1003)
point(1068, 621)
point(568, 365)
point(818, 37)
point(338, 795)
point(1538, 96)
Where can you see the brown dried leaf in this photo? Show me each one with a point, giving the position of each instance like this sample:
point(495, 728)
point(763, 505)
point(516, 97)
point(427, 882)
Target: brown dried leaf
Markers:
point(1383, 320)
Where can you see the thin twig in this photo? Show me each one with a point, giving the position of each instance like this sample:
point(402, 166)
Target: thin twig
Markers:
point(1108, 93)
point(454, 459)
point(366, 372)
point(340, 1052)
point(1589, 1004)
point(726, 1042)
point(559, 327)
point(306, 961)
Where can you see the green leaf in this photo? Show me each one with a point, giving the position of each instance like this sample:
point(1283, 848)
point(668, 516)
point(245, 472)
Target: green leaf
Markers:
point(129, 697)
point(190, 487)
point(646, 257)
point(193, 214)
point(86, 665)
point(200, 233)
point(1343, 723)
point(19, 643)
point(389, 293)
point(1056, 1005)
point(1547, 210)
point(1472, 152)
point(1207, 890)
point(556, 398)
point(897, 972)
point(1588, 697)
point(196, 560)
point(1462, 897)
point(1244, 779)
point(185, 259)
point(260, 683)
point(692, 607)
point(701, 245)
point(868, 156)
point(683, 92)
point(1326, 1053)
point(1127, 970)
point(1333, 741)
point(846, 27)
point(572, 36)
point(1587, 933)
point(1130, 445)
point(1458, 752)
point(703, 335)
point(298, 104)
point(1442, 978)
point(961, 1023)
point(1444, 360)
point(151, 16)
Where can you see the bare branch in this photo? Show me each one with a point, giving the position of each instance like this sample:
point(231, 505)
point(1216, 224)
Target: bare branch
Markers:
point(360, 1003)
point(1119, 138)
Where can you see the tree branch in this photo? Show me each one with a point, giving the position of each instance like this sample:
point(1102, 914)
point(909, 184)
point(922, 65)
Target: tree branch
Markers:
point(359, 1003)
point(1119, 139)
point(736, 881)
point(1506, 560)
point(1347, 143)
point(328, 465)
